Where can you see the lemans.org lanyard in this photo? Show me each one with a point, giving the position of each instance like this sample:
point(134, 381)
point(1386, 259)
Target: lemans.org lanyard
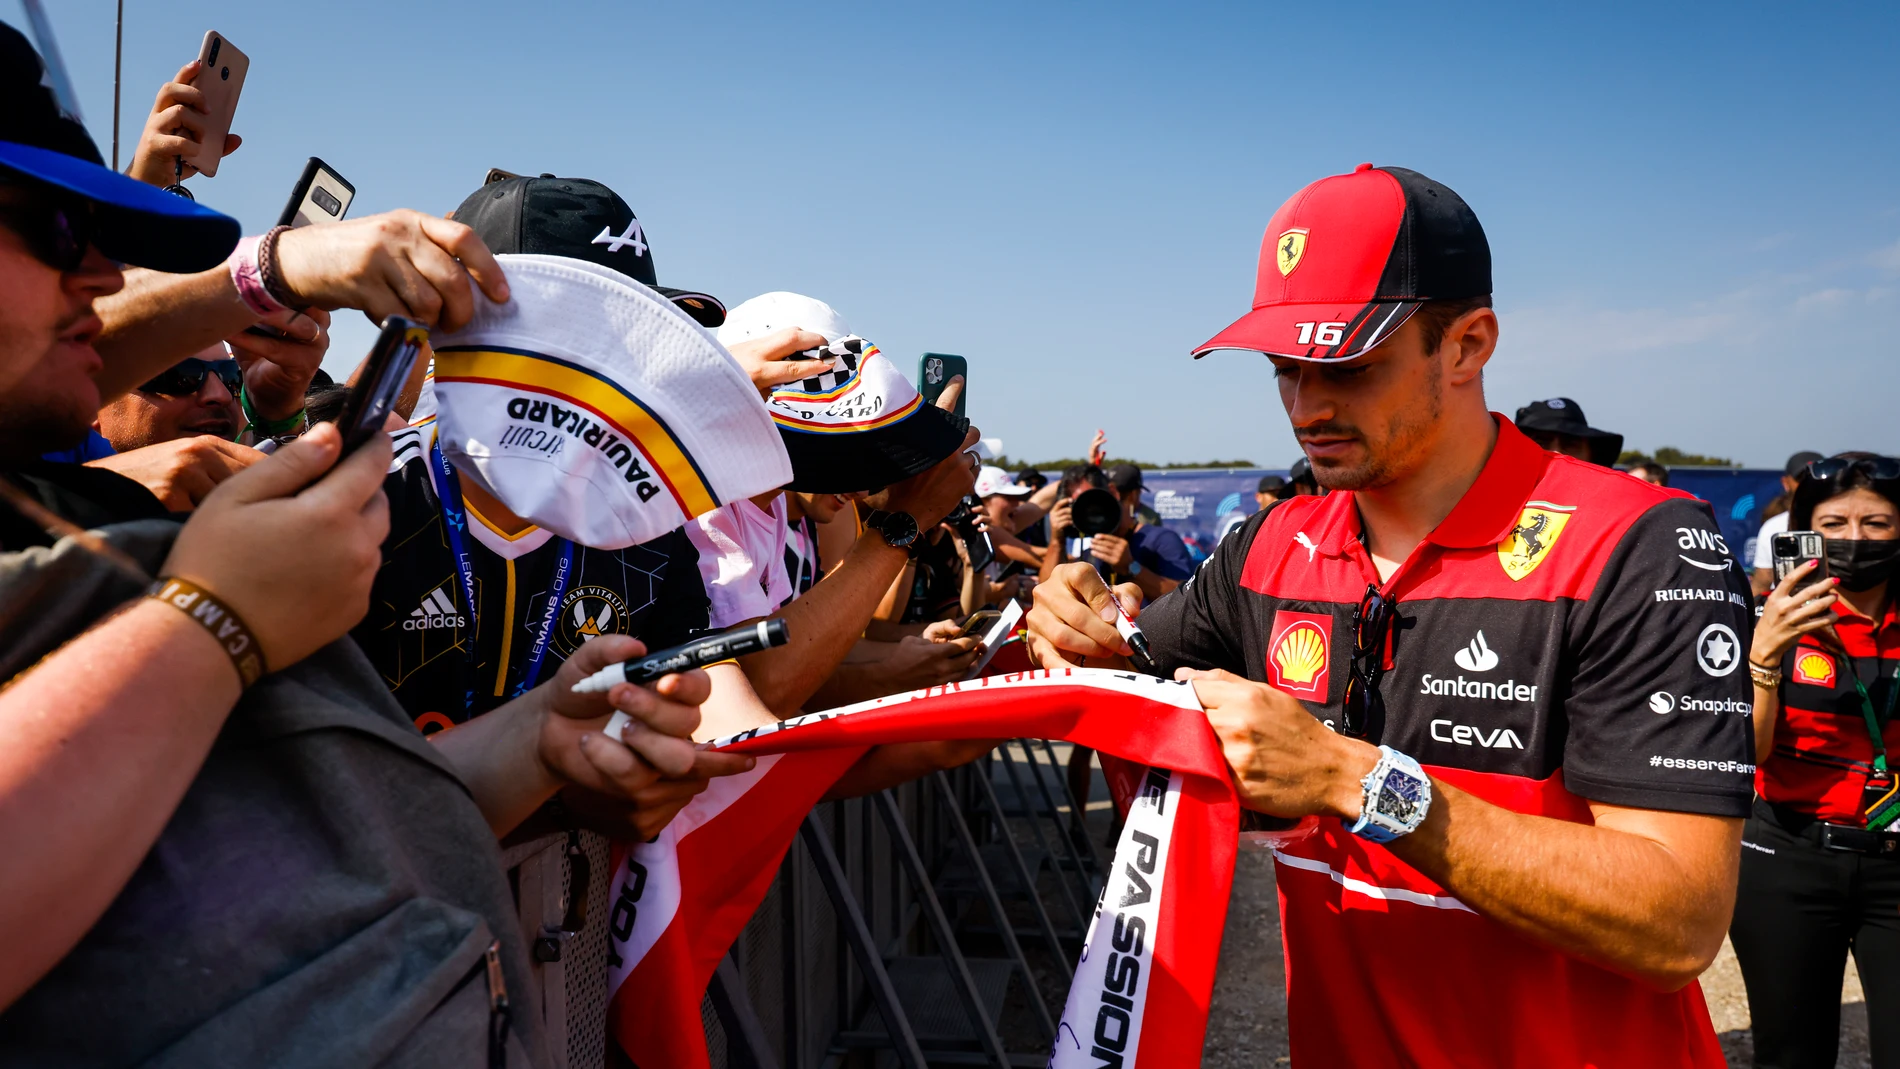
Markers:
point(455, 521)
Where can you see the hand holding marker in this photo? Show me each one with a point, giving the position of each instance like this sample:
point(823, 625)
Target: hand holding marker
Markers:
point(698, 653)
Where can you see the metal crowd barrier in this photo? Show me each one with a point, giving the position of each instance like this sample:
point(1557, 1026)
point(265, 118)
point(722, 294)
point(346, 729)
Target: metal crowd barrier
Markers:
point(880, 941)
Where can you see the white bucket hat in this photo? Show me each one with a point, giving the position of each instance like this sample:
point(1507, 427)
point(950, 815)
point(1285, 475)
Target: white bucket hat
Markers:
point(779, 309)
point(590, 405)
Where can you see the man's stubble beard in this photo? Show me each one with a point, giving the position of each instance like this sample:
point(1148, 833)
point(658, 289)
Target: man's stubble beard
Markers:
point(1386, 461)
point(30, 427)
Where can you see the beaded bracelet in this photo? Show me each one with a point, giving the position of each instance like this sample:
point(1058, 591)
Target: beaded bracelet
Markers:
point(268, 267)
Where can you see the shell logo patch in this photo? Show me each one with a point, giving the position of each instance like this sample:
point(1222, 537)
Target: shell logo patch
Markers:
point(1815, 667)
point(1300, 652)
point(1288, 250)
point(1531, 539)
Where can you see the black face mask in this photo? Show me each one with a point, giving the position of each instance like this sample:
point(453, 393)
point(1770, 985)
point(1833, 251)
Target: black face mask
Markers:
point(1862, 563)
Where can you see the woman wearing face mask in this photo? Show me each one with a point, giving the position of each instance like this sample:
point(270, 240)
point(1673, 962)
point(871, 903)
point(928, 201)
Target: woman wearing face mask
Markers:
point(1821, 855)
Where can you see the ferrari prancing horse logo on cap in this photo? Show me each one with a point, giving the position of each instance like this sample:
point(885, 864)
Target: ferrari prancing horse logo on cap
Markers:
point(1288, 252)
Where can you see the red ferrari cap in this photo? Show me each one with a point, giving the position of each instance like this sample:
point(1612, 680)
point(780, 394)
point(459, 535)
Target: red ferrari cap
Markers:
point(1348, 259)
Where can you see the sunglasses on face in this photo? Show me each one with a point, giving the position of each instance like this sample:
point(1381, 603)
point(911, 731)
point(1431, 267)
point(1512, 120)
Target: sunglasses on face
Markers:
point(1370, 623)
point(1882, 468)
point(56, 231)
point(188, 377)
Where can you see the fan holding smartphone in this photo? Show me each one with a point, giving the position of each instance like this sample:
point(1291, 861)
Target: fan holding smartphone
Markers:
point(189, 129)
point(1823, 874)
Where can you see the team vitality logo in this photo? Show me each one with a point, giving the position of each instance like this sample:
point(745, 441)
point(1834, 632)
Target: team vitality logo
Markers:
point(436, 610)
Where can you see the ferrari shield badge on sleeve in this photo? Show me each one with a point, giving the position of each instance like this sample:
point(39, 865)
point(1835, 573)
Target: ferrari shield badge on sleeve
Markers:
point(1531, 539)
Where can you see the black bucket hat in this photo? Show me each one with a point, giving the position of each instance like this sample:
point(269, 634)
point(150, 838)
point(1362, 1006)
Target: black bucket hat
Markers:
point(861, 426)
point(1561, 415)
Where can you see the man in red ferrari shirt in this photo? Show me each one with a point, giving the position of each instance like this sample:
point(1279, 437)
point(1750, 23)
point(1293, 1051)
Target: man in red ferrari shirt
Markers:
point(1504, 680)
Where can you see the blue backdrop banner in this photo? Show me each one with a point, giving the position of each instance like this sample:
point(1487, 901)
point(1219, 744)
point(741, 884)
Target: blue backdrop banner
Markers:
point(1196, 503)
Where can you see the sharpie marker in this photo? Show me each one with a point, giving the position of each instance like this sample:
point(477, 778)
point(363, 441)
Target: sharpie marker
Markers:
point(695, 654)
point(1126, 627)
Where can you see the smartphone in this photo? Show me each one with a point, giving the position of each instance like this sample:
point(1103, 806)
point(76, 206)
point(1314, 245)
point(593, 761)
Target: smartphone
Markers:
point(320, 196)
point(934, 372)
point(374, 395)
point(220, 80)
point(1794, 548)
point(496, 174)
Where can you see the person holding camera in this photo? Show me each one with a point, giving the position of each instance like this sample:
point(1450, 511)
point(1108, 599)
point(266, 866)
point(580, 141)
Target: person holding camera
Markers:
point(1821, 860)
point(1096, 518)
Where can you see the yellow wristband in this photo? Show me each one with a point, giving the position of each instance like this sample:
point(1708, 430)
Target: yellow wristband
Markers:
point(216, 617)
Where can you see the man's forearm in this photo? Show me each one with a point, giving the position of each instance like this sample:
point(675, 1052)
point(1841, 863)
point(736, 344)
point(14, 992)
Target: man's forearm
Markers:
point(1615, 897)
point(823, 625)
point(159, 319)
point(496, 757)
point(103, 738)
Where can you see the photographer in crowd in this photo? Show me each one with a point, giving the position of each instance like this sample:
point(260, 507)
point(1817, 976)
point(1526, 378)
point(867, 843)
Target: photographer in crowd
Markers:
point(1097, 521)
point(169, 750)
point(1821, 869)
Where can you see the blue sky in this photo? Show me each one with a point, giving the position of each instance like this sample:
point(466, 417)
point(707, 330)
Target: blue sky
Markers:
point(1693, 212)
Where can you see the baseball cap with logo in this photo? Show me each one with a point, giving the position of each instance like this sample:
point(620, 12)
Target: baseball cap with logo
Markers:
point(43, 148)
point(1348, 259)
point(776, 310)
point(580, 219)
point(861, 426)
point(590, 405)
point(991, 479)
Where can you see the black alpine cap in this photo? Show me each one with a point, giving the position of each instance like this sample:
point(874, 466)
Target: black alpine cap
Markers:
point(578, 218)
point(1561, 415)
point(137, 224)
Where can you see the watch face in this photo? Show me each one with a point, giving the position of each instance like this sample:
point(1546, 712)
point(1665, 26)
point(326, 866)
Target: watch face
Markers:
point(900, 528)
point(1399, 796)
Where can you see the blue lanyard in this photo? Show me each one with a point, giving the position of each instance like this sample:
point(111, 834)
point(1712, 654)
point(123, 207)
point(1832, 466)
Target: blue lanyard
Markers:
point(455, 522)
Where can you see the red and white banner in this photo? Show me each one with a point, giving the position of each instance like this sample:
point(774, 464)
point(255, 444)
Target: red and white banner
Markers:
point(1141, 990)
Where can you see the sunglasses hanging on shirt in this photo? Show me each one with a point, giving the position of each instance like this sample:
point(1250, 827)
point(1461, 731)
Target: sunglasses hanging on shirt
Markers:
point(188, 377)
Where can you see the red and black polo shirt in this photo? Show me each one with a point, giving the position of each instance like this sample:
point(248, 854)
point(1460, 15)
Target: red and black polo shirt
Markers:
point(1567, 634)
point(1823, 754)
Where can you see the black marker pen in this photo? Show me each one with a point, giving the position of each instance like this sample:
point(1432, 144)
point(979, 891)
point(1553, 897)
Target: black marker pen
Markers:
point(698, 653)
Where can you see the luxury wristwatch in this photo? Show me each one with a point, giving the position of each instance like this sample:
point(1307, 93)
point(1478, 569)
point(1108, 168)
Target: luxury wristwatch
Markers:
point(898, 528)
point(1395, 797)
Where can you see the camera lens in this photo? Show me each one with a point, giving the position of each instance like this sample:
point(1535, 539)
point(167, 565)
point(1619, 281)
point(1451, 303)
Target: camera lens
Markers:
point(225, 74)
point(1095, 511)
point(216, 43)
point(326, 200)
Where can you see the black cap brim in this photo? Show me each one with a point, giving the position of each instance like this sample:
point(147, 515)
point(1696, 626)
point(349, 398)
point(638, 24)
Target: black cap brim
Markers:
point(138, 224)
point(872, 460)
point(705, 309)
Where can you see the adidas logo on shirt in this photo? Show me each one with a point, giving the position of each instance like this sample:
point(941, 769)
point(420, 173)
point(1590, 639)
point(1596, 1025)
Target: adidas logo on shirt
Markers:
point(437, 610)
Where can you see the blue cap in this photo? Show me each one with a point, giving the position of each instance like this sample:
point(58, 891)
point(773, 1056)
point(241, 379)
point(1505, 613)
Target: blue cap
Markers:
point(137, 224)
